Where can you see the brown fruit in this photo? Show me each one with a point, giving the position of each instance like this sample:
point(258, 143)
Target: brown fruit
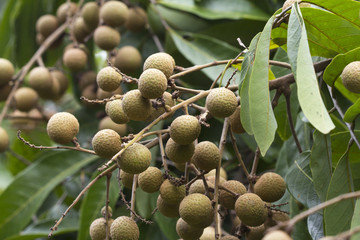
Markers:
point(135, 106)
point(206, 156)
point(108, 79)
point(235, 122)
point(80, 29)
point(61, 78)
point(150, 180)
point(152, 83)
point(161, 61)
point(124, 228)
point(64, 10)
point(187, 232)
point(114, 13)
point(46, 25)
point(40, 80)
point(137, 19)
point(90, 14)
point(277, 235)
point(75, 59)
point(86, 79)
point(255, 233)
point(227, 199)
point(6, 71)
point(25, 99)
point(251, 209)
point(62, 127)
point(172, 194)
point(185, 129)
point(166, 209)
point(5, 91)
point(135, 159)
point(128, 59)
point(106, 38)
point(270, 187)
point(4, 140)
point(106, 143)
point(107, 123)
point(221, 102)
point(126, 179)
point(115, 111)
point(179, 153)
point(98, 228)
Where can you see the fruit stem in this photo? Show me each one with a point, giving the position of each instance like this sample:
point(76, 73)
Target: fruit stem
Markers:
point(162, 152)
point(238, 155)
point(133, 194)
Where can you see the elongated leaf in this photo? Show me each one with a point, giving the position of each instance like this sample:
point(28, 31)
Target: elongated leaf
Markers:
point(212, 9)
point(355, 222)
point(315, 225)
point(337, 217)
point(352, 112)
point(29, 189)
point(321, 164)
point(339, 143)
point(300, 229)
point(308, 89)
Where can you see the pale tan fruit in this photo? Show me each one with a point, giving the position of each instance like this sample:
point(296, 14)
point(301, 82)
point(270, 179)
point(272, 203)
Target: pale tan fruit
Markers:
point(64, 10)
point(208, 234)
point(172, 194)
point(80, 30)
point(196, 210)
point(251, 209)
point(53, 93)
point(223, 173)
point(62, 80)
point(75, 59)
point(62, 127)
point(106, 38)
point(4, 140)
point(5, 91)
point(128, 59)
point(221, 102)
point(115, 111)
point(126, 179)
point(108, 79)
point(350, 76)
point(19, 119)
point(227, 199)
point(135, 106)
point(107, 123)
point(199, 187)
point(275, 217)
point(229, 237)
point(103, 211)
point(152, 83)
point(212, 179)
point(40, 79)
point(255, 233)
point(137, 19)
point(187, 232)
point(179, 153)
point(185, 129)
point(235, 122)
point(6, 71)
point(206, 156)
point(166, 209)
point(86, 79)
point(98, 228)
point(25, 99)
point(270, 187)
point(124, 228)
point(277, 235)
point(135, 159)
point(46, 25)
point(180, 166)
point(161, 61)
point(106, 143)
point(114, 13)
point(150, 180)
point(90, 14)
point(169, 102)
point(80, 46)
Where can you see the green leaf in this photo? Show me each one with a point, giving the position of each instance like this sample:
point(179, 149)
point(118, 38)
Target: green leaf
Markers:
point(315, 225)
point(30, 188)
point(307, 86)
point(300, 229)
point(5, 175)
point(212, 9)
point(339, 142)
point(321, 164)
point(352, 112)
point(355, 222)
point(337, 217)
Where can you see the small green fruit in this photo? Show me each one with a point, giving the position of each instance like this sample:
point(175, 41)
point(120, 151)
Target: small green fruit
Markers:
point(206, 156)
point(351, 76)
point(62, 127)
point(108, 79)
point(124, 228)
point(135, 159)
point(135, 106)
point(106, 143)
point(221, 102)
point(185, 129)
point(150, 180)
point(270, 187)
point(106, 38)
point(114, 13)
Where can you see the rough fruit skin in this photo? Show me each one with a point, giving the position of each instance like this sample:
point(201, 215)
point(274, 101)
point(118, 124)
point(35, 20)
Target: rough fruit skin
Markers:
point(62, 127)
point(221, 102)
point(46, 24)
point(64, 9)
point(235, 122)
point(135, 106)
point(4, 140)
point(255, 233)
point(106, 38)
point(187, 232)
point(135, 159)
point(277, 235)
point(107, 123)
point(172, 194)
point(229, 237)
point(124, 228)
point(114, 13)
point(98, 228)
point(25, 99)
point(179, 153)
point(80, 29)
point(196, 210)
point(251, 209)
point(226, 199)
point(103, 211)
point(166, 209)
point(351, 76)
point(223, 173)
point(270, 187)
point(115, 111)
point(150, 180)
point(90, 14)
point(152, 83)
point(108, 79)
point(185, 129)
point(169, 101)
point(106, 143)
point(6, 71)
point(206, 156)
point(75, 59)
point(137, 19)
point(208, 234)
point(126, 179)
point(62, 79)
point(161, 61)
point(40, 79)
point(128, 59)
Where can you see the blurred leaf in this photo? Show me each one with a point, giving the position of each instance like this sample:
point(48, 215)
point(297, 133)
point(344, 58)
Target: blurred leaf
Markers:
point(355, 222)
point(30, 188)
point(144, 202)
point(212, 9)
point(315, 225)
point(339, 142)
point(308, 89)
point(300, 229)
point(352, 112)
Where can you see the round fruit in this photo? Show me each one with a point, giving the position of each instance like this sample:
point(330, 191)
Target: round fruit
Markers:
point(62, 127)
point(235, 122)
point(208, 234)
point(150, 180)
point(152, 83)
point(25, 99)
point(223, 173)
point(179, 153)
point(61, 78)
point(270, 187)
point(251, 209)
point(75, 59)
point(115, 111)
point(114, 13)
point(185, 129)
point(107, 123)
point(89, 92)
point(6, 71)
point(180, 166)
point(221, 102)
point(46, 25)
point(196, 210)
point(198, 187)
point(106, 143)
point(187, 232)
point(4, 140)
point(106, 38)
point(135, 106)
point(229, 237)
point(162, 61)
point(350, 76)
point(169, 102)
point(255, 233)
point(5, 91)
point(40, 79)
point(64, 10)
point(108, 79)
point(227, 199)
point(206, 156)
point(172, 194)
point(124, 228)
point(168, 210)
point(277, 235)
point(275, 217)
point(101, 94)
point(135, 159)
point(103, 211)
point(128, 59)
point(137, 19)
point(86, 79)
point(90, 14)
point(80, 29)
point(98, 228)
point(126, 179)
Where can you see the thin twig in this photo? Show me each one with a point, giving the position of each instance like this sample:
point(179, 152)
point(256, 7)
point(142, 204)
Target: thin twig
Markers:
point(238, 155)
point(133, 195)
point(291, 123)
point(162, 152)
